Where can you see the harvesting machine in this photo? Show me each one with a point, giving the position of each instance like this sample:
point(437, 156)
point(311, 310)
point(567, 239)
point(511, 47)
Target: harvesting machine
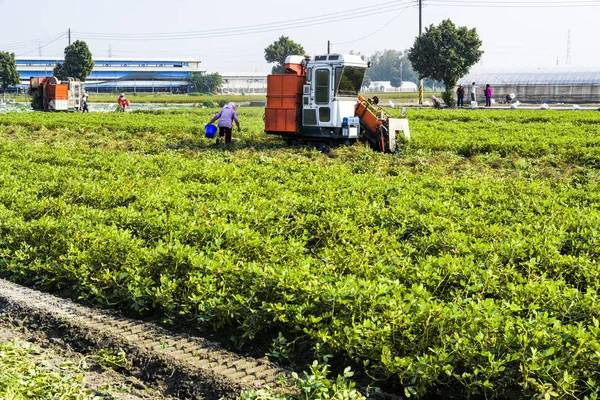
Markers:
point(317, 101)
point(50, 94)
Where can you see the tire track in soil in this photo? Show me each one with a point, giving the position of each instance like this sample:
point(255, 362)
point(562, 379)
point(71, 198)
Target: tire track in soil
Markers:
point(186, 366)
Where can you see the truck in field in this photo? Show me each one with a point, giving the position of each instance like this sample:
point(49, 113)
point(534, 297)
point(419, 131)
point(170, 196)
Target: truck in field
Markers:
point(51, 94)
point(317, 101)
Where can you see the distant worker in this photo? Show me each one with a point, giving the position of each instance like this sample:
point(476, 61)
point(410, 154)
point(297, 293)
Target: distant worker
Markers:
point(123, 103)
point(460, 96)
point(437, 104)
point(84, 103)
point(488, 95)
point(226, 117)
point(474, 92)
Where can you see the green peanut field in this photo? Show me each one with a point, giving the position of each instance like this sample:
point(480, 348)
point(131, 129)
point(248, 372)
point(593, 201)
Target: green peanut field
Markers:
point(466, 266)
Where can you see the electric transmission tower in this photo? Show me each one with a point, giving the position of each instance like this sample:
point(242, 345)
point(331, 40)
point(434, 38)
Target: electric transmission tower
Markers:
point(568, 60)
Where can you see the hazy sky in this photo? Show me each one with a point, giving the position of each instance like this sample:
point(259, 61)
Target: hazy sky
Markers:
point(513, 36)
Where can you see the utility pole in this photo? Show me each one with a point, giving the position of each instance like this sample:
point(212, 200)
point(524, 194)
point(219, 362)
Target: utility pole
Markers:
point(420, 17)
point(328, 47)
point(69, 36)
point(420, 33)
point(109, 51)
point(39, 49)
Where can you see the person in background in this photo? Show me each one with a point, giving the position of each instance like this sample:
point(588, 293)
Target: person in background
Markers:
point(84, 103)
point(460, 96)
point(488, 95)
point(437, 104)
point(474, 92)
point(123, 103)
point(226, 117)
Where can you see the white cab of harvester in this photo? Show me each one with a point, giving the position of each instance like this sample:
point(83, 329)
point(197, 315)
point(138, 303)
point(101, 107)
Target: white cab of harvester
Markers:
point(333, 82)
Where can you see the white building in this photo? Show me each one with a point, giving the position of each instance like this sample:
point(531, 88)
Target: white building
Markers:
point(386, 87)
point(244, 83)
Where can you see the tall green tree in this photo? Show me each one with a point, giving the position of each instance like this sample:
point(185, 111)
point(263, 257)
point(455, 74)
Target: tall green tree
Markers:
point(279, 50)
point(9, 76)
point(387, 65)
point(445, 53)
point(396, 78)
point(78, 62)
point(206, 83)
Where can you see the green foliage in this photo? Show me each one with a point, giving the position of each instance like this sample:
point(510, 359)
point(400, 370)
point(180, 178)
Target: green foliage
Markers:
point(469, 265)
point(206, 83)
point(26, 374)
point(109, 359)
point(9, 76)
point(78, 62)
point(445, 53)
point(386, 66)
point(313, 385)
point(279, 50)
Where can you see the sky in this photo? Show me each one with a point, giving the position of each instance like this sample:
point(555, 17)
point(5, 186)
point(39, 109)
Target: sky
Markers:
point(230, 36)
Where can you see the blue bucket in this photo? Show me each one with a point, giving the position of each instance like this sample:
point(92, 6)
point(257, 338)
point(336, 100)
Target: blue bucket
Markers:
point(210, 130)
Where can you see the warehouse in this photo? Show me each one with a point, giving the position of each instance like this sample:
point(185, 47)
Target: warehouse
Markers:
point(559, 84)
point(122, 74)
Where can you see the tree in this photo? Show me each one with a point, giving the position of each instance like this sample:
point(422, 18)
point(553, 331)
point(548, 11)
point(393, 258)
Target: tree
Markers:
point(279, 50)
point(203, 83)
point(9, 76)
point(386, 66)
point(78, 62)
point(396, 78)
point(445, 53)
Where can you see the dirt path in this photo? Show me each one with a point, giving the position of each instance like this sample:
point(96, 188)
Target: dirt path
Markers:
point(175, 365)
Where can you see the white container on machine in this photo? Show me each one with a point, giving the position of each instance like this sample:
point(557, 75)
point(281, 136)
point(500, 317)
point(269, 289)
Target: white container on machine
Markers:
point(350, 127)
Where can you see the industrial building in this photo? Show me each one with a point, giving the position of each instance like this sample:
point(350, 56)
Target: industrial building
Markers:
point(122, 74)
point(559, 84)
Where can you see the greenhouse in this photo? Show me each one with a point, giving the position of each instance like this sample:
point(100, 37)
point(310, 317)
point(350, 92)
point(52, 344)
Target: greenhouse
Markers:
point(556, 85)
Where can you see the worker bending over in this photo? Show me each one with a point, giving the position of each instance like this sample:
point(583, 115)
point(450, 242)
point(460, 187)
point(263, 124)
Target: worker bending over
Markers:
point(226, 117)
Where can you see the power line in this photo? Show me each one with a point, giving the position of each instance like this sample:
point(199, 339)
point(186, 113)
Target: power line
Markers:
point(28, 43)
point(41, 47)
point(378, 30)
point(306, 22)
point(515, 4)
point(316, 19)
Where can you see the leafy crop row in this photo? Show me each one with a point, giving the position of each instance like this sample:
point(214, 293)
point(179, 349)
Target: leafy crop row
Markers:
point(438, 273)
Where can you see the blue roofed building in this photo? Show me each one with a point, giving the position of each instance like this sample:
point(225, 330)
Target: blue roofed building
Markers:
point(122, 74)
